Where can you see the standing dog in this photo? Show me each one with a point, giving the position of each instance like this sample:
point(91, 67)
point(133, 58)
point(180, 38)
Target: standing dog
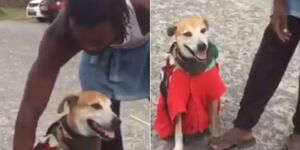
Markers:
point(194, 84)
point(89, 121)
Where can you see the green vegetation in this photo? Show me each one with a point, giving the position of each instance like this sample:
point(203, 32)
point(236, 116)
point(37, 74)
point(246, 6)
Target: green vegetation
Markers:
point(12, 13)
point(2, 14)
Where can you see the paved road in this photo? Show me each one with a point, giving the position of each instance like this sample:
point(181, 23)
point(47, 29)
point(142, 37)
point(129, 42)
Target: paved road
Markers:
point(236, 27)
point(18, 49)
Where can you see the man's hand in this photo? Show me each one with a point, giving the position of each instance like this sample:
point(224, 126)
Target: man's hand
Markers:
point(279, 21)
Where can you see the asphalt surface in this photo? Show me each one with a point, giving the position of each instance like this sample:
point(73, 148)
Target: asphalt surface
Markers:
point(18, 49)
point(236, 27)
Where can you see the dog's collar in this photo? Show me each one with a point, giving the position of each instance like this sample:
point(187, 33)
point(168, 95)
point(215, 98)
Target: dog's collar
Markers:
point(56, 130)
point(68, 130)
point(191, 65)
point(69, 139)
point(76, 141)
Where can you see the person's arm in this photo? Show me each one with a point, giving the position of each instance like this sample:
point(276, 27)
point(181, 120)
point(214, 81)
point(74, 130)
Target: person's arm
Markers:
point(142, 9)
point(279, 20)
point(54, 52)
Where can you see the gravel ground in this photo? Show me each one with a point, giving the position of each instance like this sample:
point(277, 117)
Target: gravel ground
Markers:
point(236, 27)
point(18, 49)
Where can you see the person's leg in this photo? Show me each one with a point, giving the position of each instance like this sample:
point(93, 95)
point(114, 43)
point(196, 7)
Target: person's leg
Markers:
point(116, 143)
point(296, 118)
point(267, 70)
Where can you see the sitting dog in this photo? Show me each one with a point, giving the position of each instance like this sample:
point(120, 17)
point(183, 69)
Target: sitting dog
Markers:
point(192, 86)
point(90, 120)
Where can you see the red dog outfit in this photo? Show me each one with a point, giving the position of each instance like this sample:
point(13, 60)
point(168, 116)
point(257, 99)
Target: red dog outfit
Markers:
point(190, 96)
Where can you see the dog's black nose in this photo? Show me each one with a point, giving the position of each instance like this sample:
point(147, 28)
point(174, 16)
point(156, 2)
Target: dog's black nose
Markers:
point(116, 122)
point(201, 46)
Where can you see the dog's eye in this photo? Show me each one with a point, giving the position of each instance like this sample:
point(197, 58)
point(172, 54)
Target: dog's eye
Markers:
point(187, 34)
point(96, 106)
point(203, 30)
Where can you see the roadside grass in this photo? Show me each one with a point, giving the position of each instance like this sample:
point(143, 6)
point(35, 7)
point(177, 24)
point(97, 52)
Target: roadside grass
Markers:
point(12, 13)
point(2, 14)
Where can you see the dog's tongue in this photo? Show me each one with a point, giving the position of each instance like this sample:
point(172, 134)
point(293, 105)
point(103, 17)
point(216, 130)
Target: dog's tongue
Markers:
point(110, 134)
point(202, 55)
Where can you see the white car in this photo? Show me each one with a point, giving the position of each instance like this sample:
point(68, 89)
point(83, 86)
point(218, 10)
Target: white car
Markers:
point(33, 10)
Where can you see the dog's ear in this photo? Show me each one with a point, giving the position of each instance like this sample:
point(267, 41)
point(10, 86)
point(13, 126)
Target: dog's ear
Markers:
point(206, 23)
point(71, 100)
point(171, 30)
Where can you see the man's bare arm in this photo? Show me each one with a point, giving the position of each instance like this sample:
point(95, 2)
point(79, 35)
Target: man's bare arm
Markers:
point(142, 8)
point(54, 52)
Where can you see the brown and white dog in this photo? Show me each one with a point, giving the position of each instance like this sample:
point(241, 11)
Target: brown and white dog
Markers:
point(192, 42)
point(90, 120)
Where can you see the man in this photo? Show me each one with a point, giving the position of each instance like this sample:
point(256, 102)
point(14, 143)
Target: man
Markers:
point(277, 47)
point(114, 30)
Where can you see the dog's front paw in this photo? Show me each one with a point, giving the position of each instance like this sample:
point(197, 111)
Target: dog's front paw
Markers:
point(178, 147)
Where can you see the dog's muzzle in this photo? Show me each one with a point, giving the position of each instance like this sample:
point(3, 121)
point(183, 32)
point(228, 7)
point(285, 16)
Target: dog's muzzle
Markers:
point(105, 133)
point(201, 47)
point(201, 53)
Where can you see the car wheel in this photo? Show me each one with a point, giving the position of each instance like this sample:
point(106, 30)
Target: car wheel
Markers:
point(53, 16)
point(41, 19)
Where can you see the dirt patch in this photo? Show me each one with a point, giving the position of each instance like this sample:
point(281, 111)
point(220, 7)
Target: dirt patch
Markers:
point(2, 14)
point(13, 3)
point(12, 13)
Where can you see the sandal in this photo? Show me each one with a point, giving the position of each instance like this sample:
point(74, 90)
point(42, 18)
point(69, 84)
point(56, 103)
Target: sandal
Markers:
point(231, 137)
point(293, 142)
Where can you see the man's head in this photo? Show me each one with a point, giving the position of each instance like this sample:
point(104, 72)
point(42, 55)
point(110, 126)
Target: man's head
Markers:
point(192, 37)
point(97, 23)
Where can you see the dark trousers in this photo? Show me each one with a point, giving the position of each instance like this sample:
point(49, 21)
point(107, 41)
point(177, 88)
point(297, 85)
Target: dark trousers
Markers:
point(116, 143)
point(267, 70)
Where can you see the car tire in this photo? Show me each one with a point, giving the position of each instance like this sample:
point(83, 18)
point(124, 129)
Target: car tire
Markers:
point(41, 19)
point(53, 16)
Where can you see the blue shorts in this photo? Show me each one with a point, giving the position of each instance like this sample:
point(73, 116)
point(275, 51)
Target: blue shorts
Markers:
point(120, 74)
point(293, 7)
